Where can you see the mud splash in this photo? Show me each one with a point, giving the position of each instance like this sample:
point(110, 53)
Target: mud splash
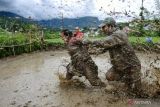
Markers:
point(31, 80)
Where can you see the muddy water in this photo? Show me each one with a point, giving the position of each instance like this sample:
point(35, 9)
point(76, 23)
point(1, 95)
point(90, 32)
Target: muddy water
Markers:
point(32, 81)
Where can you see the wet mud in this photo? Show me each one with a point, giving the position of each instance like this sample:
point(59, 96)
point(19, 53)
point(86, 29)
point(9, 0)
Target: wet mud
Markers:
point(33, 80)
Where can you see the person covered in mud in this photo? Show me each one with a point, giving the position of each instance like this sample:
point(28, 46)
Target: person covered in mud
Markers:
point(81, 62)
point(125, 64)
point(78, 33)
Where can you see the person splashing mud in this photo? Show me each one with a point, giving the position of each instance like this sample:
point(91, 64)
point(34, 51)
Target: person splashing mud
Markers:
point(81, 62)
point(125, 64)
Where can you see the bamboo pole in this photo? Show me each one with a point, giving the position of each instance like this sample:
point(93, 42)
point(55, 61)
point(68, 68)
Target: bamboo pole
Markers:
point(13, 49)
point(12, 40)
point(142, 11)
point(42, 39)
point(30, 41)
point(62, 15)
point(30, 47)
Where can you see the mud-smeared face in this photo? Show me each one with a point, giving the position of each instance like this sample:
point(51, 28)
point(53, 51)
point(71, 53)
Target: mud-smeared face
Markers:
point(106, 29)
point(103, 28)
point(67, 34)
point(76, 30)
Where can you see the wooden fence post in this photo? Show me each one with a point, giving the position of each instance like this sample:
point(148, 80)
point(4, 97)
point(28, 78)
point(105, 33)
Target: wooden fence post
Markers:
point(30, 40)
point(13, 44)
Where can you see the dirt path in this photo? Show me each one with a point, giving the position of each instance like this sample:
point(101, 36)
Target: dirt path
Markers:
point(32, 81)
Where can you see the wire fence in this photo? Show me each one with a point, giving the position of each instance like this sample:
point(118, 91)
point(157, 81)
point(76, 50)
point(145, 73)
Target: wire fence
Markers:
point(30, 43)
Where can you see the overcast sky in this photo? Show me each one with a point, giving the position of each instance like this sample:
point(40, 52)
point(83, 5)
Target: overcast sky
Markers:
point(48, 9)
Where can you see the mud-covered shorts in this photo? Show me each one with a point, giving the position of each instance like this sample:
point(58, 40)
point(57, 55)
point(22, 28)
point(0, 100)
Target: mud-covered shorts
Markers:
point(131, 76)
point(82, 65)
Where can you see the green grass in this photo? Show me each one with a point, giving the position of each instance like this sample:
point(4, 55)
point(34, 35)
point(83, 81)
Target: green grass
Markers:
point(16, 39)
point(143, 39)
point(56, 40)
point(8, 39)
point(131, 39)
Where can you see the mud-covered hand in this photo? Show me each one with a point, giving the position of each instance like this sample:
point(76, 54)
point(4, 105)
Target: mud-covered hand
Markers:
point(86, 42)
point(97, 43)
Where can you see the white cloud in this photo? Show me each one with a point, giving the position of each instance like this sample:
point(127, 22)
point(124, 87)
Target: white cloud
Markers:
point(47, 9)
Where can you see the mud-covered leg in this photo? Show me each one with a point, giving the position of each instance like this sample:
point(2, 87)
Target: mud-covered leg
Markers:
point(137, 85)
point(91, 73)
point(112, 75)
point(133, 81)
point(129, 78)
point(69, 74)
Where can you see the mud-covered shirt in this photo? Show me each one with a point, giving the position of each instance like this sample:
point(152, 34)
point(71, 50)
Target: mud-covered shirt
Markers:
point(121, 52)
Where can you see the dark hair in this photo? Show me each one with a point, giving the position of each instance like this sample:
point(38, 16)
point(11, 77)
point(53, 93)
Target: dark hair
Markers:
point(110, 25)
point(103, 27)
point(67, 33)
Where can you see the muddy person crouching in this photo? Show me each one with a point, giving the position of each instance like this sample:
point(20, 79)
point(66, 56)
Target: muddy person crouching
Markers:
point(126, 67)
point(81, 62)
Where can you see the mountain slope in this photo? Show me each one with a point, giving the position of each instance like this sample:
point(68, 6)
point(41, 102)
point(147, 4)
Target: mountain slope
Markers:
point(87, 21)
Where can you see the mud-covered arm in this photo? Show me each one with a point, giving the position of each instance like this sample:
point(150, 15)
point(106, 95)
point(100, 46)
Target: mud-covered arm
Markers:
point(63, 38)
point(108, 42)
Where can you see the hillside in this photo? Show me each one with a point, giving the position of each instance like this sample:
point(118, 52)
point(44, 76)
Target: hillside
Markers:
point(87, 21)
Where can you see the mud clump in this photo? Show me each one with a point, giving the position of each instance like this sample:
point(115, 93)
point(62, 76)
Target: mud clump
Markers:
point(75, 82)
point(95, 50)
point(151, 83)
